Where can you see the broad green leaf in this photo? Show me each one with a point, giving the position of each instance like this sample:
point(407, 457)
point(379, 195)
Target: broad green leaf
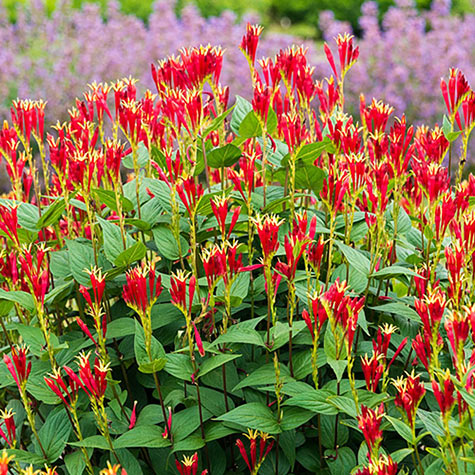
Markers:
point(148, 363)
point(401, 428)
point(393, 271)
point(217, 121)
point(54, 434)
point(149, 436)
point(92, 442)
point(113, 243)
point(142, 158)
point(242, 107)
point(314, 400)
point(108, 197)
point(51, 214)
point(341, 462)
point(132, 254)
point(355, 258)
point(167, 245)
point(253, 415)
point(179, 365)
point(399, 308)
point(223, 156)
point(215, 362)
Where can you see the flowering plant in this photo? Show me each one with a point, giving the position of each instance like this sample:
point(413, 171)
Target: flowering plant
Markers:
point(271, 287)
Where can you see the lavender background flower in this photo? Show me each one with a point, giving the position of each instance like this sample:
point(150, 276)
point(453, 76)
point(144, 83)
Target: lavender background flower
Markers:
point(55, 57)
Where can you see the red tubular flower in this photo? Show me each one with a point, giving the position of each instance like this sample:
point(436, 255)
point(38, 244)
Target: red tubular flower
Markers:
point(113, 470)
point(189, 465)
point(5, 459)
point(373, 370)
point(29, 117)
point(133, 416)
point(431, 144)
point(66, 391)
point(250, 41)
point(168, 424)
point(385, 465)
point(92, 380)
point(334, 189)
point(455, 263)
point(457, 326)
point(347, 52)
point(315, 253)
point(268, 230)
point(214, 264)
point(293, 130)
point(9, 222)
point(98, 285)
point(142, 288)
point(328, 96)
point(17, 365)
point(37, 273)
point(220, 207)
point(261, 101)
point(255, 458)
point(444, 393)
point(10, 435)
point(179, 283)
point(410, 392)
point(199, 342)
point(468, 108)
point(400, 148)
point(375, 117)
point(381, 344)
point(454, 92)
point(369, 422)
point(86, 330)
point(190, 193)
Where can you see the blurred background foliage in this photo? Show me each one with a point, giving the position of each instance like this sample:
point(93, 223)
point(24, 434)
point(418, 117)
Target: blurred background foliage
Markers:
point(297, 17)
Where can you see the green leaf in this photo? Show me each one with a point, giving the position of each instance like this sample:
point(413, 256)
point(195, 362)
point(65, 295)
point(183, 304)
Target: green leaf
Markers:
point(167, 245)
point(250, 126)
point(92, 442)
point(179, 365)
point(26, 457)
point(341, 462)
point(310, 152)
point(113, 245)
point(54, 434)
point(223, 156)
point(143, 157)
point(264, 376)
point(401, 428)
point(401, 454)
point(132, 254)
point(28, 216)
point(52, 214)
point(19, 296)
point(148, 363)
point(149, 436)
point(399, 309)
point(253, 415)
point(309, 177)
point(314, 400)
point(108, 197)
point(240, 335)
point(81, 259)
point(448, 131)
point(344, 404)
point(215, 362)
point(241, 109)
point(75, 463)
point(217, 121)
point(293, 417)
point(355, 258)
point(393, 271)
